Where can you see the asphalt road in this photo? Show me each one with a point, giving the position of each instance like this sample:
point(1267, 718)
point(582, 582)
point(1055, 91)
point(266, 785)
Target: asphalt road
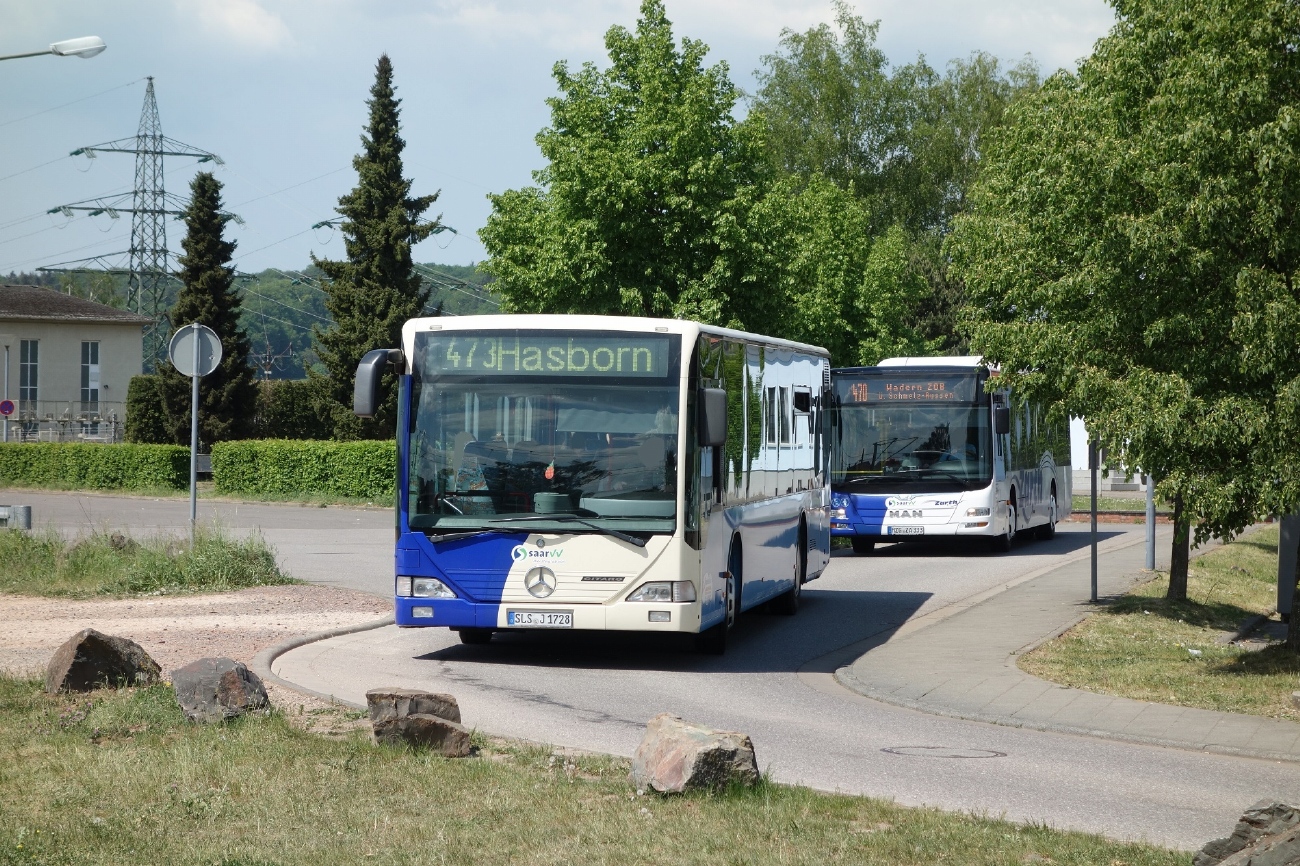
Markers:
point(774, 683)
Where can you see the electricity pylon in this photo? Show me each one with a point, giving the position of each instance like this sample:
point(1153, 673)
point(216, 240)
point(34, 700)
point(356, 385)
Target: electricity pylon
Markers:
point(148, 261)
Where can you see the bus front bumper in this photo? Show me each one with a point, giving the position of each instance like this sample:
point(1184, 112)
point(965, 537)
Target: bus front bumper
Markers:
point(460, 613)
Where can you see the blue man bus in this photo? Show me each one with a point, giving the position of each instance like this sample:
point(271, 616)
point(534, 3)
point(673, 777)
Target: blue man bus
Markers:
point(921, 449)
point(603, 473)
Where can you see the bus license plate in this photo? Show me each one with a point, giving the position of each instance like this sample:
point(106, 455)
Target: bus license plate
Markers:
point(539, 618)
point(907, 530)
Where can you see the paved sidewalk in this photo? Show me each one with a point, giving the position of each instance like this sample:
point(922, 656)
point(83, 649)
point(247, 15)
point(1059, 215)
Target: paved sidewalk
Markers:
point(965, 667)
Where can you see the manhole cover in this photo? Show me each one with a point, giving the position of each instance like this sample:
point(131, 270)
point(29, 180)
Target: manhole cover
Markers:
point(943, 752)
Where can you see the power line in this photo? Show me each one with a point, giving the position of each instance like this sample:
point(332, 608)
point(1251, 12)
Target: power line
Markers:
point(73, 102)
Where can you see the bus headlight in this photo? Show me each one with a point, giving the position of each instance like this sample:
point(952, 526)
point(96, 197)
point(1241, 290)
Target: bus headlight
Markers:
point(839, 514)
point(403, 588)
point(429, 587)
point(664, 591)
point(977, 512)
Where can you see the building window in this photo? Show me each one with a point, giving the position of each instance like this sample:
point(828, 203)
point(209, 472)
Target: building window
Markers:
point(90, 376)
point(27, 365)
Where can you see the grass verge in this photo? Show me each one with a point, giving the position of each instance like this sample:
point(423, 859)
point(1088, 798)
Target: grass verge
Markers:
point(1149, 649)
point(1114, 503)
point(118, 777)
point(43, 563)
point(206, 490)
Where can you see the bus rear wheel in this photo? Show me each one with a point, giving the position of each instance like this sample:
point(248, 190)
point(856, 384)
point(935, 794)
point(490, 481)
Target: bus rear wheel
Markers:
point(862, 546)
point(475, 636)
point(1048, 530)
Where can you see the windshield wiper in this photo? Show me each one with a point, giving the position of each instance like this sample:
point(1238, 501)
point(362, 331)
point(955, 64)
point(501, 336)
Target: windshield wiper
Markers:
point(469, 533)
point(569, 518)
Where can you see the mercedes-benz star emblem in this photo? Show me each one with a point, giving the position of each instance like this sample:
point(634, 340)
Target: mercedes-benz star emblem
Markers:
point(540, 582)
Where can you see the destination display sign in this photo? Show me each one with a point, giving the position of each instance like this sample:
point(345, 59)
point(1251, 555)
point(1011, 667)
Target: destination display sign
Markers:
point(547, 353)
point(909, 389)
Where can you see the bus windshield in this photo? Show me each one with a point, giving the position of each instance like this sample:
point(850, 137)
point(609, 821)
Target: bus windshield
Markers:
point(912, 441)
point(515, 429)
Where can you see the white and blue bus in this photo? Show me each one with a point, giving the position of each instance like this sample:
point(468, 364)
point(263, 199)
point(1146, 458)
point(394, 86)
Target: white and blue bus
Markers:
point(921, 449)
point(604, 473)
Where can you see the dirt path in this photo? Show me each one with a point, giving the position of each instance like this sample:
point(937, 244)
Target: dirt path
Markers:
point(176, 630)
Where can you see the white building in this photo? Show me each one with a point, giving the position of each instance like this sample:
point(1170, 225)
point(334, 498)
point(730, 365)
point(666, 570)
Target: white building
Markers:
point(67, 363)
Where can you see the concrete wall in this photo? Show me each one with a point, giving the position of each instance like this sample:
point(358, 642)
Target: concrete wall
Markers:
point(59, 360)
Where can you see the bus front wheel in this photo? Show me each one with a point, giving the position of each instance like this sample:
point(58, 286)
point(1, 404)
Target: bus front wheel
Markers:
point(787, 603)
point(714, 640)
point(1002, 543)
point(475, 636)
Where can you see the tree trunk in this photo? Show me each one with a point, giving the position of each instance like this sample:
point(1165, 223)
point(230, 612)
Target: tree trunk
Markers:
point(1179, 555)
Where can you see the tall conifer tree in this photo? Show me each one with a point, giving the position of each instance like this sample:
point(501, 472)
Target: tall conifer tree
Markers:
point(228, 396)
point(375, 289)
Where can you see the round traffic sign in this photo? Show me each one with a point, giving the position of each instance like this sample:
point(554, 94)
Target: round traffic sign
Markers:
point(6, 407)
point(181, 351)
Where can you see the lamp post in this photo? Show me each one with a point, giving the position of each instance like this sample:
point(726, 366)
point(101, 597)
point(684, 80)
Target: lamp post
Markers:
point(84, 47)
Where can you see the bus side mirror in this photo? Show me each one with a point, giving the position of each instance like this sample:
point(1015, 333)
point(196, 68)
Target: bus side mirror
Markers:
point(713, 417)
point(365, 391)
point(1001, 420)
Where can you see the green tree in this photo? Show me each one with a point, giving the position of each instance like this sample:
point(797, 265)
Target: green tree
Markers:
point(227, 396)
point(1131, 252)
point(906, 140)
point(376, 288)
point(644, 160)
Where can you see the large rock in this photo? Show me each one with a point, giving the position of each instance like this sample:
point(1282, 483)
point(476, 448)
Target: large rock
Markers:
point(217, 689)
point(90, 659)
point(676, 756)
point(423, 719)
point(1268, 834)
point(385, 704)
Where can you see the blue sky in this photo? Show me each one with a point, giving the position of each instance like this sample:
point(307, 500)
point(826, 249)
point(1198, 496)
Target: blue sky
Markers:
point(277, 89)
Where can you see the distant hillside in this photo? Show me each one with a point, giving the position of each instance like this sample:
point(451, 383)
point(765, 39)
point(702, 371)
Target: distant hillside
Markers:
point(281, 307)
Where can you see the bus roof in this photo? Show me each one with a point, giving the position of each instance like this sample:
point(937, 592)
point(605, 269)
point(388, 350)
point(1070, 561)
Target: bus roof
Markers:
point(944, 362)
point(548, 322)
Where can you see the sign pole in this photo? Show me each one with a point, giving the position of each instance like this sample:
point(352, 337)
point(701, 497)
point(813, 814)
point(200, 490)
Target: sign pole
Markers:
point(6, 391)
point(194, 439)
point(1151, 523)
point(1092, 469)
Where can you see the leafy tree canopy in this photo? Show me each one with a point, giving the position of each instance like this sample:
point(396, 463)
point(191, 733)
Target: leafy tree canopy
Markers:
point(906, 140)
point(1132, 247)
point(657, 202)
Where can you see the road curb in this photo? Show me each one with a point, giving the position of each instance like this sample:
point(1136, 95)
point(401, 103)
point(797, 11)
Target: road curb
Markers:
point(262, 662)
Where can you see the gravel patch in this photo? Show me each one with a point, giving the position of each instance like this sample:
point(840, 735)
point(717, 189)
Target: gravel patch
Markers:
point(178, 629)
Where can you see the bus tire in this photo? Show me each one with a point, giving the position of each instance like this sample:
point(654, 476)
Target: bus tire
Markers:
point(475, 636)
point(713, 641)
point(1002, 543)
point(862, 546)
point(1047, 531)
point(787, 603)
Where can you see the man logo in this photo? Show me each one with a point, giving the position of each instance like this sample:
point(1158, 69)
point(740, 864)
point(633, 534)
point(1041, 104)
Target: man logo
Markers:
point(906, 514)
point(540, 582)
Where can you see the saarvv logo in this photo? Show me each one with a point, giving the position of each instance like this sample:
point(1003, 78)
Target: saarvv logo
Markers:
point(520, 553)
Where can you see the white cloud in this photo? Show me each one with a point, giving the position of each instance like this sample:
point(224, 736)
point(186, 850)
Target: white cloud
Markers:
point(245, 22)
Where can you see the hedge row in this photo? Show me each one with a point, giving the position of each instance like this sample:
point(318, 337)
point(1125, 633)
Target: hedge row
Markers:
point(286, 409)
point(84, 465)
point(284, 467)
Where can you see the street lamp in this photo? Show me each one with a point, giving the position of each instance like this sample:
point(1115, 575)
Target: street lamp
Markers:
point(85, 47)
